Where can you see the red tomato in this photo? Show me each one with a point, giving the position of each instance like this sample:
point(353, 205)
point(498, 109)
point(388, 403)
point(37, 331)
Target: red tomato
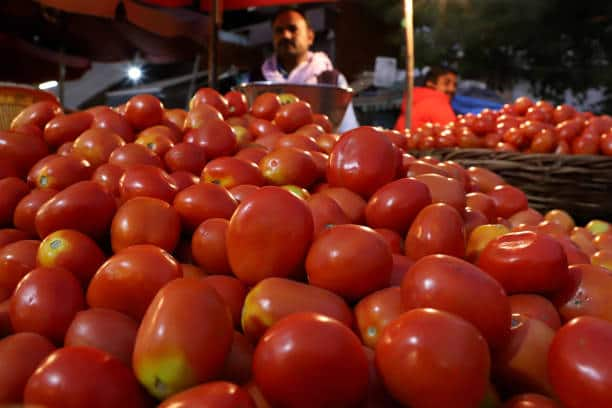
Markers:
point(108, 177)
point(202, 201)
point(448, 365)
point(241, 192)
point(83, 206)
point(444, 190)
point(215, 136)
point(184, 338)
point(274, 298)
point(265, 106)
point(536, 307)
point(133, 153)
point(292, 116)
point(508, 200)
point(142, 180)
point(208, 246)
point(484, 179)
point(374, 312)
point(288, 165)
point(26, 209)
point(299, 140)
point(288, 361)
point(96, 145)
point(592, 295)
point(186, 156)
point(113, 121)
point(252, 154)
point(239, 362)
point(73, 251)
point(16, 260)
point(401, 265)
point(209, 96)
point(10, 235)
point(323, 121)
point(396, 204)
point(143, 111)
point(456, 286)
point(13, 190)
point(232, 291)
point(325, 212)
point(74, 377)
point(37, 114)
point(352, 204)
point(23, 150)
point(128, 281)
point(363, 160)
point(268, 235)
point(60, 172)
point(350, 260)
point(183, 179)
point(218, 394)
point(605, 143)
point(579, 363)
point(106, 330)
point(428, 235)
point(66, 128)
point(230, 172)
point(145, 220)
point(159, 139)
point(327, 141)
point(200, 115)
point(393, 239)
point(525, 262)
point(20, 354)
point(237, 103)
point(45, 302)
point(526, 217)
point(531, 401)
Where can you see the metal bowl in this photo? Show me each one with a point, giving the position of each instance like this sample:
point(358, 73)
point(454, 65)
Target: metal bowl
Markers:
point(328, 99)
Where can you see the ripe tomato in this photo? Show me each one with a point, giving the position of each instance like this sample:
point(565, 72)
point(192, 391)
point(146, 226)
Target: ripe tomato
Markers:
point(25, 212)
point(128, 281)
point(230, 172)
point(142, 180)
point(374, 312)
point(208, 246)
point(74, 377)
point(10, 235)
point(133, 153)
point(215, 136)
point(60, 172)
point(508, 200)
point(349, 260)
point(265, 106)
point(23, 150)
point(352, 204)
point(186, 156)
point(593, 294)
point(237, 103)
point(145, 220)
point(45, 302)
point(184, 338)
point(232, 291)
point(20, 354)
point(13, 190)
point(66, 128)
point(16, 259)
point(536, 307)
point(106, 330)
point(485, 180)
point(96, 145)
point(209, 96)
point(143, 111)
point(268, 235)
point(288, 360)
point(37, 114)
point(159, 139)
point(448, 365)
point(218, 394)
point(113, 121)
point(292, 116)
point(183, 179)
point(300, 140)
point(579, 363)
point(325, 212)
point(202, 201)
point(289, 165)
point(531, 401)
point(200, 115)
point(239, 362)
point(108, 177)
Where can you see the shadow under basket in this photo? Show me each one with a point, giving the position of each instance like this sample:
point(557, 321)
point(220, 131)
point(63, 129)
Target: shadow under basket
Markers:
point(578, 184)
point(16, 97)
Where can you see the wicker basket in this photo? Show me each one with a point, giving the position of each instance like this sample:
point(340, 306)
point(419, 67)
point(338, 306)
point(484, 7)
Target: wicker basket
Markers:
point(15, 97)
point(578, 184)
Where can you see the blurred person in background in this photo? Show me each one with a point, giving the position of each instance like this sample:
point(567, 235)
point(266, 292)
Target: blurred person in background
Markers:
point(432, 102)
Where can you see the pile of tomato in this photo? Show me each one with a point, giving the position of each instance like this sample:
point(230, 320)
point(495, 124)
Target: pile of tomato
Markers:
point(522, 126)
point(247, 256)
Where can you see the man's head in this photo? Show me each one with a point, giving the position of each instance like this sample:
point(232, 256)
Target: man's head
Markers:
point(292, 34)
point(442, 79)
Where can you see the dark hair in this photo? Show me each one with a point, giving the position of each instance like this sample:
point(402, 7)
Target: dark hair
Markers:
point(287, 9)
point(436, 72)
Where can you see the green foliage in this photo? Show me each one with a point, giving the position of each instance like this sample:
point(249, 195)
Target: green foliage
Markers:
point(554, 44)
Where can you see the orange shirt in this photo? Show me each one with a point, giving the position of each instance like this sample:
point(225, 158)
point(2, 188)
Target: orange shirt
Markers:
point(428, 105)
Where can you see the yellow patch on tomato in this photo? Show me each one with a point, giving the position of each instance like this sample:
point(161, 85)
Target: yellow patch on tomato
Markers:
point(165, 375)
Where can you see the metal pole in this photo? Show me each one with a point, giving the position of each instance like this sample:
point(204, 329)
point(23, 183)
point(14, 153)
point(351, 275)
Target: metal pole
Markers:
point(194, 77)
point(212, 43)
point(408, 15)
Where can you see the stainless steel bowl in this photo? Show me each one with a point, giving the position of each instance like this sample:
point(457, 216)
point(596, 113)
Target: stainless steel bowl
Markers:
point(323, 98)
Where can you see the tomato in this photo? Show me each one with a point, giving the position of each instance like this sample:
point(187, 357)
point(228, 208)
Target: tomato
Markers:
point(73, 377)
point(16, 260)
point(396, 204)
point(275, 298)
point(237, 103)
point(208, 246)
point(484, 179)
point(26, 209)
point(526, 217)
point(8, 169)
point(288, 165)
point(230, 172)
point(268, 235)
point(10, 235)
point(219, 394)
point(104, 329)
point(363, 160)
point(393, 239)
point(83, 206)
point(23, 150)
point(327, 141)
point(605, 143)
point(66, 128)
point(351, 203)
point(526, 262)
point(142, 180)
point(215, 136)
point(60, 172)
point(241, 192)
point(350, 260)
point(209, 96)
point(325, 212)
point(592, 295)
point(45, 302)
point(300, 141)
point(232, 291)
point(239, 362)
point(374, 312)
point(128, 281)
point(531, 401)
point(419, 167)
point(37, 114)
point(579, 363)
point(200, 115)
point(428, 235)
point(20, 354)
point(186, 156)
point(184, 338)
point(183, 179)
point(288, 360)
point(292, 116)
point(159, 139)
point(96, 145)
point(265, 106)
point(131, 154)
point(448, 365)
point(482, 202)
point(113, 121)
point(143, 111)
point(191, 271)
point(536, 307)
point(175, 119)
point(145, 220)
point(202, 201)
point(508, 200)
point(108, 177)
point(13, 190)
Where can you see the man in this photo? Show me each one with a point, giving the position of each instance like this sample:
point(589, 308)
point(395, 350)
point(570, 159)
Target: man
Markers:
point(431, 103)
point(293, 62)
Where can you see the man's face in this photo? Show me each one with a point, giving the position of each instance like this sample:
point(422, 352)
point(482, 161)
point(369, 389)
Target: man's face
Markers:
point(446, 83)
point(292, 36)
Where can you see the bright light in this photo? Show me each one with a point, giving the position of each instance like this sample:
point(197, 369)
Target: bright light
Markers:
point(47, 85)
point(134, 73)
